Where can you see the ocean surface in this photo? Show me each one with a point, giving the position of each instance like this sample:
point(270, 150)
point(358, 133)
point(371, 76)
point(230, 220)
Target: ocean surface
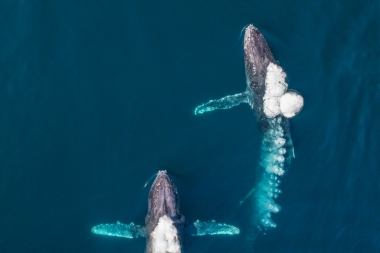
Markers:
point(97, 96)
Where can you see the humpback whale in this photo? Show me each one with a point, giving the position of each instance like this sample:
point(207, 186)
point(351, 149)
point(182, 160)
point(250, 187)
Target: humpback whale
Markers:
point(273, 104)
point(165, 226)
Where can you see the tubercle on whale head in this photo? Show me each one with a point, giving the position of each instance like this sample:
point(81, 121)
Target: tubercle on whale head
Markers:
point(161, 172)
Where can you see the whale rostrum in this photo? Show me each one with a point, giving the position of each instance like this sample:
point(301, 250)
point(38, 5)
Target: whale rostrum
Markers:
point(165, 227)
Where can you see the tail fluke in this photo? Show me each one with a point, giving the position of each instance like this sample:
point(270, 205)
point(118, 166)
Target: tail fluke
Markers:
point(223, 103)
point(200, 228)
point(120, 230)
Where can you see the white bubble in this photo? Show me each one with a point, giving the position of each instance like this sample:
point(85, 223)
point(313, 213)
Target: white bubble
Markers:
point(165, 237)
point(282, 151)
point(280, 159)
point(275, 170)
point(275, 85)
point(271, 106)
point(279, 142)
point(279, 171)
point(291, 104)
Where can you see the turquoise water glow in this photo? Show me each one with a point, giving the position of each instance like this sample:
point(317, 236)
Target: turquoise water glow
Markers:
point(98, 96)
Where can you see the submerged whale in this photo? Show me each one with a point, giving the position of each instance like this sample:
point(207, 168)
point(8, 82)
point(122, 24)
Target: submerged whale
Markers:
point(165, 225)
point(268, 95)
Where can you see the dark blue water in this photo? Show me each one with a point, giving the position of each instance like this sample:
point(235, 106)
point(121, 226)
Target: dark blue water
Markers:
point(96, 96)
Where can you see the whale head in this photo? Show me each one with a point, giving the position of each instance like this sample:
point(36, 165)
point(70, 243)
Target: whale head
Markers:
point(163, 200)
point(257, 54)
point(163, 196)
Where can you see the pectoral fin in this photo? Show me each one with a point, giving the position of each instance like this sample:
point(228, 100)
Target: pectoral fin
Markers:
point(200, 228)
point(120, 230)
point(223, 103)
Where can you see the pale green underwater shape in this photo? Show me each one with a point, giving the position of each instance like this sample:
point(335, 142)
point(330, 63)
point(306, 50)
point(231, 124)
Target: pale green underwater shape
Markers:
point(223, 103)
point(213, 228)
point(120, 230)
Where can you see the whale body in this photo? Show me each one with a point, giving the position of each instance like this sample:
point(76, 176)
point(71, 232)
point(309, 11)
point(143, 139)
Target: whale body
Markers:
point(165, 227)
point(273, 104)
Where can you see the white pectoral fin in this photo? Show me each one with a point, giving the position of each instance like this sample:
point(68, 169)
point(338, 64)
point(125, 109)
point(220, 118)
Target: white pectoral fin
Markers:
point(223, 103)
point(120, 230)
point(200, 228)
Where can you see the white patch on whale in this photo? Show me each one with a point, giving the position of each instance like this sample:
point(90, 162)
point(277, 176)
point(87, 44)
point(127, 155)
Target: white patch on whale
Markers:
point(291, 104)
point(271, 106)
point(275, 87)
point(276, 99)
point(165, 237)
